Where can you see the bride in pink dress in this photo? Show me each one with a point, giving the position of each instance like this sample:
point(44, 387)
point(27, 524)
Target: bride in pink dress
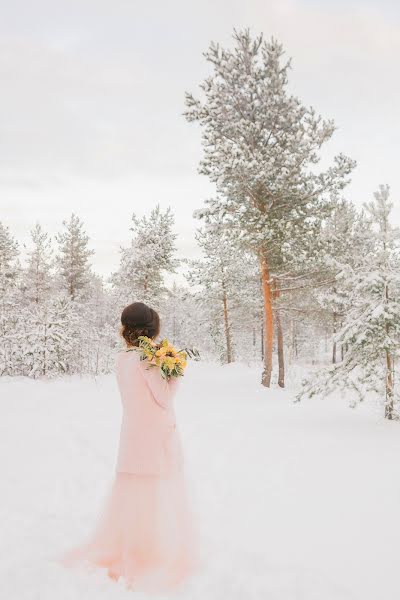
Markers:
point(146, 533)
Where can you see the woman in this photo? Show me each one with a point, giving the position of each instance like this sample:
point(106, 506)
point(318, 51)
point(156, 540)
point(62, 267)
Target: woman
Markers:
point(146, 533)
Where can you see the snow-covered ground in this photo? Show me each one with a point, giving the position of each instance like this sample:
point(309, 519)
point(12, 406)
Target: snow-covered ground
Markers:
point(294, 501)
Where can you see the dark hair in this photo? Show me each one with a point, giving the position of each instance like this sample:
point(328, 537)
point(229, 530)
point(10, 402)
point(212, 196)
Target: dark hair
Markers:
point(139, 319)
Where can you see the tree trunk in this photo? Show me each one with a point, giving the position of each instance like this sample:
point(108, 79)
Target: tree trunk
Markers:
point(389, 384)
point(334, 342)
point(262, 339)
point(228, 339)
point(268, 321)
point(281, 356)
point(44, 370)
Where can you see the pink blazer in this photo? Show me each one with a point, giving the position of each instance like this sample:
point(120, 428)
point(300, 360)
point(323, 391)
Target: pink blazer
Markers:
point(149, 441)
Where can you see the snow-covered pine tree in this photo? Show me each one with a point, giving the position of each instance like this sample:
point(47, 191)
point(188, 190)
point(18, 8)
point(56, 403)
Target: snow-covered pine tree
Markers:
point(9, 265)
point(371, 328)
point(217, 274)
point(9, 299)
point(143, 264)
point(72, 259)
point(52, 341)
point(37, 276)
point(316, 313)
point(386, 313)
point(261, 146)
point(340, 245)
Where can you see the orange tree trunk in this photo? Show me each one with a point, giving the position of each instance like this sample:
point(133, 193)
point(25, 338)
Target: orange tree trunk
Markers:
point(268, 320)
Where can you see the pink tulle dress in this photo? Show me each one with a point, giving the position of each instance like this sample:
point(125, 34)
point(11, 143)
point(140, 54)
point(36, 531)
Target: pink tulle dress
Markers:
point(146, 533)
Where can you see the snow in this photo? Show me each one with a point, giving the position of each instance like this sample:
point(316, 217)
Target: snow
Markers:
point(294, 501)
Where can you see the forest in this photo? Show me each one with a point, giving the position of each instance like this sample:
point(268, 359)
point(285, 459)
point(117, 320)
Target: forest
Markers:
point(291, 271)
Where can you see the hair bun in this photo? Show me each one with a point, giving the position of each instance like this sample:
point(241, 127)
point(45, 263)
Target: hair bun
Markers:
point(139, 319)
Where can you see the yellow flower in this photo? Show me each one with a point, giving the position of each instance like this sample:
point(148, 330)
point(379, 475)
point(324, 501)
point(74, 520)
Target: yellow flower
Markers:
point(169, 362)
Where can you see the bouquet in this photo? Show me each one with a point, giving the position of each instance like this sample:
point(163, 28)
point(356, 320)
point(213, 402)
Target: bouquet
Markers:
point(171, 362)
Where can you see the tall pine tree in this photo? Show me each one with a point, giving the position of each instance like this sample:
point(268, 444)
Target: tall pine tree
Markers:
point(261, 147)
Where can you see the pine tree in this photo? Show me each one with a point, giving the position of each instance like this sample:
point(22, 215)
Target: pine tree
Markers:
point(73, 256)
point(9, 266)
point(371, 327)
point(341, 245)
point(9, 299)
point(385, 315)
point(260, 147)
point(217, 274)
point(52, 341)
point(151, 254)
point(37, 277)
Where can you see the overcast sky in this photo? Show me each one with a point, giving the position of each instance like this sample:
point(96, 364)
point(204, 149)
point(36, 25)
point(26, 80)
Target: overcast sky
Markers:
point(92, 97)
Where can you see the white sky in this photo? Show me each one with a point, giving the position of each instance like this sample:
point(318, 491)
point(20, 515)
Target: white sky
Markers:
point(92, 98)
